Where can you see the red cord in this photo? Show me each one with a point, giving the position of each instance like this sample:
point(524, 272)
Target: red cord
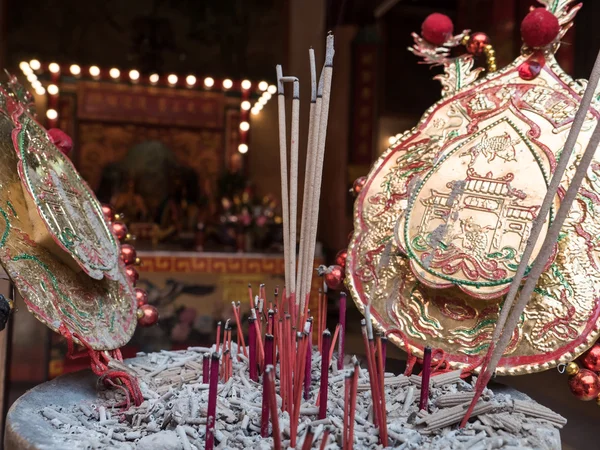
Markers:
point(441, 364)
point(99, 365)
point(411, 359)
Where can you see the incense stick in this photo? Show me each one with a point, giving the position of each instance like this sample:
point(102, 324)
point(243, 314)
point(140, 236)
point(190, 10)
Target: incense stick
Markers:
point(270, 377)
point(504, 323)
point(294, 183)
point(323, 116)
point(211, 414)
point(284, 173)
point(308, 177)
point(342, 337)
point(252, 344)
point(324, 376)
point(424, 400)
point(205, 368)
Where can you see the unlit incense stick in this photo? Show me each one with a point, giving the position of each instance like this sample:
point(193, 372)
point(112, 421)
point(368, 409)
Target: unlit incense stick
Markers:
point(294, 183)
point(284, 173)
point(509, 315)
point(322, 116)
point(308, 176)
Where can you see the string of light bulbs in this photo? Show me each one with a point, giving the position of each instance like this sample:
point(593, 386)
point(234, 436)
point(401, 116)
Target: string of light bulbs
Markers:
point(34, 68)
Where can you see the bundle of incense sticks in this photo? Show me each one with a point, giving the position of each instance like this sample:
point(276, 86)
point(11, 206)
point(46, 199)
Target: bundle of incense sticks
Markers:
point(280, 327)
point(298, 274)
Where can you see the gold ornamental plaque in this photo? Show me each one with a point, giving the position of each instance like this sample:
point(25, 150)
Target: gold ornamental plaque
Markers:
point(99, 312)
point(446, 212)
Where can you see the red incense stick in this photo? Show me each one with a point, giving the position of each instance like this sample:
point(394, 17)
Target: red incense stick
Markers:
point(308, 439)
point(325, 438)
point(250, 297)
point(346, 424)
point(324, 388)
point(212, 401)
point(270, 376)
point(342, 337)
point(260, 353)
point(353, 393)
point(319, 321)
point(205, 368)
point(252, 343)
point(240, 331)
point(298, 388)
point(382, 405)
point(372, 374)
point(424, 400)
point(264, 423)
point(332, 347)
point(307, 370)
point(218, 336)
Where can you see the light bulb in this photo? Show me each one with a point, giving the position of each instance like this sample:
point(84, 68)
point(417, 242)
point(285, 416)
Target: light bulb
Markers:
point(75, 69)
point(94, 71)
point(258, 106)
point(255, 111)
point(114, 73)
point(392, 139)
point(51, 114)
point(262, 101)
point(36, 84)
point(54, 68)
point(154, 78)
point(267, 96)
point(243, 148)
point(209, 82)
point(227, 84)
point(40, 90)
point(35, 64)
point(263, 86)
point(52, 89)
point(134, 75)
point(31, 77)
point(172, 79)
point(246, 105)
point(244, 126)
point(24, 66)
point(246, 84)
point(272, 89)
point(190, 80)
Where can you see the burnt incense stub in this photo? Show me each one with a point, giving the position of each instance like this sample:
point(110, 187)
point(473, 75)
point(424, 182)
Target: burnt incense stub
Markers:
point(452, 202)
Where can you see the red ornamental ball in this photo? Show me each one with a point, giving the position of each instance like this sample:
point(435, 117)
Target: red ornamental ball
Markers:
point(128, 254)
point(109, 214)
point(477, 42)
point(358, 185)
point(147, 315)
point(539, 28)
point(334, 277)
point(591, 358)
point(141, 296)
point(585, 385)
point(437, 28)
point(120, 230)
point(61, 140)
point(340, 258)
point(132, 274)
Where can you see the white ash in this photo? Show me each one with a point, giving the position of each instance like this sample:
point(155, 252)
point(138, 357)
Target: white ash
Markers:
point(173, 414)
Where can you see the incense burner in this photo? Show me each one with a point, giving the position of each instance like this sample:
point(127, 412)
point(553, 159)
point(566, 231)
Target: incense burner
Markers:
point(446, 212)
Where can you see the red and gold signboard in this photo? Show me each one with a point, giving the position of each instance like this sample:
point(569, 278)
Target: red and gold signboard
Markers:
point(149, 105)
